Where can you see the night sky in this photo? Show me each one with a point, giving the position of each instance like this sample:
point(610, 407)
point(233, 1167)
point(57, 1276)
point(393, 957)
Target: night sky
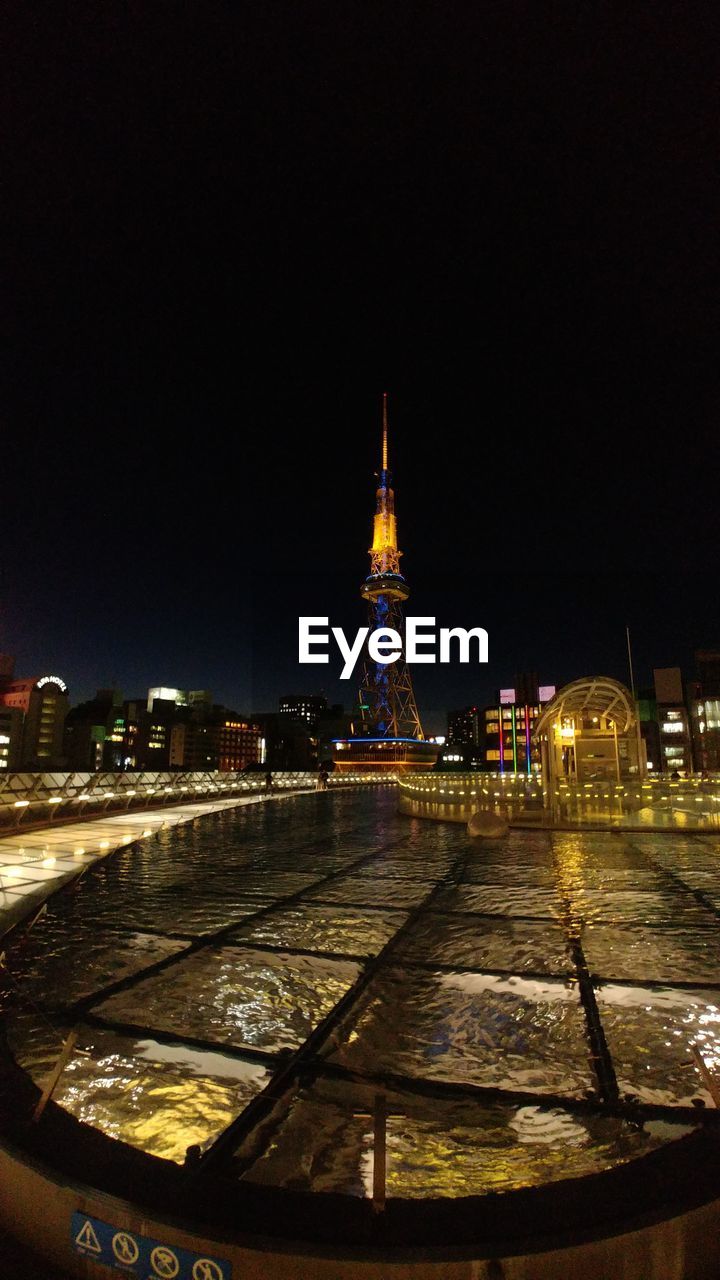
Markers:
point(231, 228)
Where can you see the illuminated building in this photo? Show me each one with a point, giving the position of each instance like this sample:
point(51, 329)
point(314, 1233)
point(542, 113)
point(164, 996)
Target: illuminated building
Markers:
point(95, 733)
point(705, 728)
point(463, 728)
point(320, 723)
point(11, 725)
point(287, 742)
point(308, 707)
point(459, 757)
point(392, 736)
point(704, 706)
point(222, 740)
point(195, 698)
point(154, 734)
point(148, 731)
point(509, 725)
point(673, 721)
point(42, 703)
point(649, 729)
point(681, 721)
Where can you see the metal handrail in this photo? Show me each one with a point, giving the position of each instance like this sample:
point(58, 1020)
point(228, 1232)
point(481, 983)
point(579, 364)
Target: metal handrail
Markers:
point(30, 798)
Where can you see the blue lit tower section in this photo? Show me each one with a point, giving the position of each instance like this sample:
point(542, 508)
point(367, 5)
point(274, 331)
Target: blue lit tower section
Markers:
point(387, 699)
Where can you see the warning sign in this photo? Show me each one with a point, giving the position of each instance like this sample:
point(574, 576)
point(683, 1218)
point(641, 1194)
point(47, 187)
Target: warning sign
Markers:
point(86, 1238)
point(141, 1257)
point(165, 1262)
point(206, 1269)
point(125, 1248)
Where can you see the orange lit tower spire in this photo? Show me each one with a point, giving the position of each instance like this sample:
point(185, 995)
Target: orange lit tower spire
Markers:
point(387, 700)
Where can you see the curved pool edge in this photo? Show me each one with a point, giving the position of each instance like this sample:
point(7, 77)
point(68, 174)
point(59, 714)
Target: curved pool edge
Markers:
point(657, 1218)
point(15, 912)
point(538, 820)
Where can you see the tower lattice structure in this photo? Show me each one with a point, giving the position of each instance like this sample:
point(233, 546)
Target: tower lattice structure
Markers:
point(387, 699)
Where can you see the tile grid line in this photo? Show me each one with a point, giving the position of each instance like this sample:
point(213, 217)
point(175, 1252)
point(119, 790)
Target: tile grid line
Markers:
point(257, 1116)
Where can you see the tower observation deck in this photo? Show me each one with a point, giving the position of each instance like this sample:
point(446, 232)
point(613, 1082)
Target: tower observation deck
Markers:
point(391, 735)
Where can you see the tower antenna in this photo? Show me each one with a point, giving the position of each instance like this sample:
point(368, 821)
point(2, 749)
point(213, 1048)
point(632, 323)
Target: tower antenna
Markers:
point(384, 447)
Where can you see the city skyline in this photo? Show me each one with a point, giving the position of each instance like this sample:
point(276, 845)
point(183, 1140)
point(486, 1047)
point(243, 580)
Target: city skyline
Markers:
point(440, 689)
point(193, 364)
point(417, 970)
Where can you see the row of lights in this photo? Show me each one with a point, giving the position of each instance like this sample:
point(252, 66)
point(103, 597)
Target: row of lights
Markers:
point(245, 785)
point(565, 790)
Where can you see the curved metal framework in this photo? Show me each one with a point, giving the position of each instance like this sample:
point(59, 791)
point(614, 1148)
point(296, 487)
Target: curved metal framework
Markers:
point(590, 731)
point(599, 696)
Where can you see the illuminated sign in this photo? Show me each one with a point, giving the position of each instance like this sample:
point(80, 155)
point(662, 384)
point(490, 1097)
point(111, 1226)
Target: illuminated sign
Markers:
point(52, 680)
point(506, 696)
point(546, 692)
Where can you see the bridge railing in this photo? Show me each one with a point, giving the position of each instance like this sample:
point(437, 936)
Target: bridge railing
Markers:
point(32, 798)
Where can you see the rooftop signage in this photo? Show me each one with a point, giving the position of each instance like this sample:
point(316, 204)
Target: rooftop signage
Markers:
point(51, 680)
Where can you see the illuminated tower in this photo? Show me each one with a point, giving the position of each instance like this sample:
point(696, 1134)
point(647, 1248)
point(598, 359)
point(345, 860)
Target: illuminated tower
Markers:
point(387, 700)
point(391, 740)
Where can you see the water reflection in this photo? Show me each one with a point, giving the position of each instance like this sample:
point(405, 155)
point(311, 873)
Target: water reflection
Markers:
point(233, 996)
point(157, 1097)
point(515, 945)
point(437, 1147)
point(653, 955)
point(248, 891)
point(505, 1032)
point(324, 928)
point(651, 1034)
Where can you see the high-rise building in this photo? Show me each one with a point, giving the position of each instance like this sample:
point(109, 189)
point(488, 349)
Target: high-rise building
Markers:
point(181, 697)
point(95, 732)
point(11, 727)
point(164, 693)
point(392, 735)
point(307, 707)
point(704, 707)
point(707, 662)
point(509, 723)
point(286, 743)
point(42, 702)
point(649, 729)
point(154, 730)
point(218, 740)
point(183, 731)
point(463, 728)
point(673, 721)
